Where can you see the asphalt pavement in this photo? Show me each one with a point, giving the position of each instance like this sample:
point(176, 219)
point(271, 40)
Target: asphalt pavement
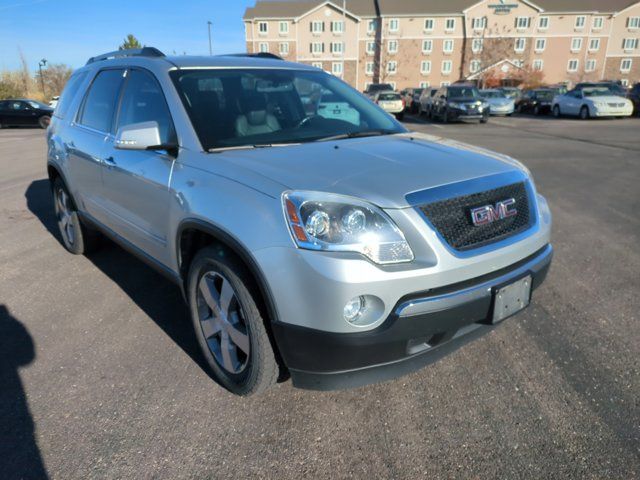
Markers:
point(100, 374)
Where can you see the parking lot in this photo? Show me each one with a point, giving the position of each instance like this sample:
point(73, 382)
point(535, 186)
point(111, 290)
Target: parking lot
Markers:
point(102, 378)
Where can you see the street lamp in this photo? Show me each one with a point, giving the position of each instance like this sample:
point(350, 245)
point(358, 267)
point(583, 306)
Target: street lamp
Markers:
point(209, 23)
point(41, 64)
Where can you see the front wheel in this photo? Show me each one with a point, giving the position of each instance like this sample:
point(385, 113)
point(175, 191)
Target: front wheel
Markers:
point(536, 110)
point(584, 113)
point(484, 119)
point(556, 111)
point(228, 324)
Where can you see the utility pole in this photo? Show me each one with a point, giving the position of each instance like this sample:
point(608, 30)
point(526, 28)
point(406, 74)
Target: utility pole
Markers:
point(41, 64)
point(209, 23)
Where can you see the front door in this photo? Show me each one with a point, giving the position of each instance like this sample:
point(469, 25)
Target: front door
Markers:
point(136, 183)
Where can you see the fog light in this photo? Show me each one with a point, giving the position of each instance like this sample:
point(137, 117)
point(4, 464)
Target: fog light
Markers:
point(354, 308)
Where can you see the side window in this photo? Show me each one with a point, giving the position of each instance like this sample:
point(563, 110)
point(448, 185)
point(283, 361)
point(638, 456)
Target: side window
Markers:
point(100, 103)
point(17, 106)
point(69, 93)
point(3, 105)
point(143, 101)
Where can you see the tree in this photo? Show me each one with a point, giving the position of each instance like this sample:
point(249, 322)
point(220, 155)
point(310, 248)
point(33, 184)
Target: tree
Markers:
point(55, 77)
point(492, 46)
point(130, 42)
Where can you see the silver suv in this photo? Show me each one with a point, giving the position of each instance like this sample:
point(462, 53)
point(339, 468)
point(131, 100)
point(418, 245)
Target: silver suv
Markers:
point(311, 234)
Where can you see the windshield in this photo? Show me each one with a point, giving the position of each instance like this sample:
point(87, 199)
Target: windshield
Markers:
point(35, 104)
point(236, 108)
point(493, 94)
point(544, 94)
point(596, 92)
point(464, 92)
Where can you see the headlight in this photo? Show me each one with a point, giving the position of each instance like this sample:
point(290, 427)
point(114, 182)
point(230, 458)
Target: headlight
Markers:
point(337, 223)
point(599, 104)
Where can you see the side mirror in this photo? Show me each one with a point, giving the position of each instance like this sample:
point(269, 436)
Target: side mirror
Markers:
point(140, 136)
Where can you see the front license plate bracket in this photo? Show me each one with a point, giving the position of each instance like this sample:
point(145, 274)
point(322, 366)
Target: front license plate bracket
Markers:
point(511, 299)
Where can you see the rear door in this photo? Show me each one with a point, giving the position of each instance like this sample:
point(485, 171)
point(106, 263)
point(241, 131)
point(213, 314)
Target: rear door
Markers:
point(86, 144)
point(136, 182)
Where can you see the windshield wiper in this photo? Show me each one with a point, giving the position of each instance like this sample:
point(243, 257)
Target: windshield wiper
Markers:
point(249, 147)
point(364, 133)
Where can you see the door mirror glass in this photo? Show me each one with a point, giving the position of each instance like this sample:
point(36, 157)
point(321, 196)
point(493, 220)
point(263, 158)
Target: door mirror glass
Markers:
point(139, 136)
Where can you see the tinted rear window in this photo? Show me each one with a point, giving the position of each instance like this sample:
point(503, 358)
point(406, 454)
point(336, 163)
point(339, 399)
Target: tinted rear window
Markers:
point(389, 96)
point(379, 87)
point(69, 93)
point(100, 102)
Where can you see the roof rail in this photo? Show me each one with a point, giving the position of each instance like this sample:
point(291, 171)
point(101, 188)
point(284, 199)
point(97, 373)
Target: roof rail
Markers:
point(255, 55)
point(133, 52)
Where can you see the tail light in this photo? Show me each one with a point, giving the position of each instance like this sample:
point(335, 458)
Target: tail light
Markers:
point(404, 103)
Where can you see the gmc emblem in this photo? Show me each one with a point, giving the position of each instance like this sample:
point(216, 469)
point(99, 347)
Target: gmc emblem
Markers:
point(489, 213)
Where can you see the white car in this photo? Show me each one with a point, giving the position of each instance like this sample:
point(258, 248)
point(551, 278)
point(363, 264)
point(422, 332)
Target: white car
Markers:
point(390, 102)
point(591, 102)
point(54, 101)
point(499, 103)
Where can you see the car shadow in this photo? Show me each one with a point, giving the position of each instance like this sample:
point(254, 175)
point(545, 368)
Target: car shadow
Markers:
point(160, 299)
point(19, 453)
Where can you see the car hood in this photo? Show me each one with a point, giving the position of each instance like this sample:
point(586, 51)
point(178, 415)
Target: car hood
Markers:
point(382, 170)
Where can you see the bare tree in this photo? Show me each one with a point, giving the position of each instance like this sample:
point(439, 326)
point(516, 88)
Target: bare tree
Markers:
point(56, 77)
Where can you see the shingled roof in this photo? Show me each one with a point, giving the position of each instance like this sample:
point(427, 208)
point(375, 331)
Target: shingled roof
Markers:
point(293, 9)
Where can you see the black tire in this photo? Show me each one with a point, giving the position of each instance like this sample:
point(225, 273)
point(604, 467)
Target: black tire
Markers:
point(400, 116)
point(536, 110)
point(43, 121)
point(484, 119)
point(556, 111)
point(76, 238)
point(519, 108)
point(584, 113)
point(260, 368)
point(445, 116)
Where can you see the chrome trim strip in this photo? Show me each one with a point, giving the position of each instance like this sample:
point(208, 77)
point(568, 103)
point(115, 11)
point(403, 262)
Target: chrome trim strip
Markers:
point(425, 305)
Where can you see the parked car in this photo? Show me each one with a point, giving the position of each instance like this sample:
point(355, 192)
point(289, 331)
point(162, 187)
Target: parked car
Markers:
point(22, 112)
point(499, 103)
point(426, 101)
point(411, 98)
point(634, 96)
point(374, 88)
point(54, 101)
point(591, 102)
point(459, 102)
point(391, 102)
point(614, 87)
point(511, 92)
point(537, 101)
point(342, 254)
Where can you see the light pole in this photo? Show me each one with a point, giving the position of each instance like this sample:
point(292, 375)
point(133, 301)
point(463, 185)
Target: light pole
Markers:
point(209, 23)
point(41, 64)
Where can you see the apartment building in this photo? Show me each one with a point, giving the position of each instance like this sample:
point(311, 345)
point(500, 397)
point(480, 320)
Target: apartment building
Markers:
point(432, 42)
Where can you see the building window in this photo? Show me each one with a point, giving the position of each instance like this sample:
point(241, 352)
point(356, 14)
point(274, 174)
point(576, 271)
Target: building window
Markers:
point(317, 48)
point(541, 43)
point(427, 46)
point(580, 21)
point(447, 46)
point(625, 64)
point(479, 23)
point(317, 27)
point(372, 26)
point(392, 67)
point(263, 47)
point(336, 47)
point(371, 48)
point(450, 24)
point(283, 28)
point(369, 68)
point(394, 25)
point(337, 27)
point(475, 66)
point(576, 44)
point(263, 28)
point(476, 45)
point(317, 65)
point(624, 82)
point(336, 68)
point(538, 64)
point(429, 24)
point(543, 23)
point(522, 23)
point(633, 23)
point(445, 84)
point(598, 23)
point(392, 46)
point(447, 66)
point(425, 67)
point(284, 48)
point(590, 66)
point(520, 44)
point(573, 65)
point(518, 63)
point(594, 44)
point(424, 84)
point(630, 44)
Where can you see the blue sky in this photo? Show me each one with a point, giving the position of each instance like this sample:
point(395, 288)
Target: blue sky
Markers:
point(71, 31)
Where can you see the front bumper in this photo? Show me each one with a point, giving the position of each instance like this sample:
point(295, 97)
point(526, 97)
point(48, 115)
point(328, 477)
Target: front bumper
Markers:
point(421, 329)
point(502, 110)
point(466, 114)
point(609, 112)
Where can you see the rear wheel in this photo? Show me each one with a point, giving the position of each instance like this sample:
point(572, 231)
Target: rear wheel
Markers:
point(556, 111)
point(44, 121)
point(228, 324)
point(76, 238)
point(584, 113)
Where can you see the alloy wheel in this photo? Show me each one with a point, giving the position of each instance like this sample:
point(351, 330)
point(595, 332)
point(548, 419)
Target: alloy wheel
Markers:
point(64, 214)
point(222, 322)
